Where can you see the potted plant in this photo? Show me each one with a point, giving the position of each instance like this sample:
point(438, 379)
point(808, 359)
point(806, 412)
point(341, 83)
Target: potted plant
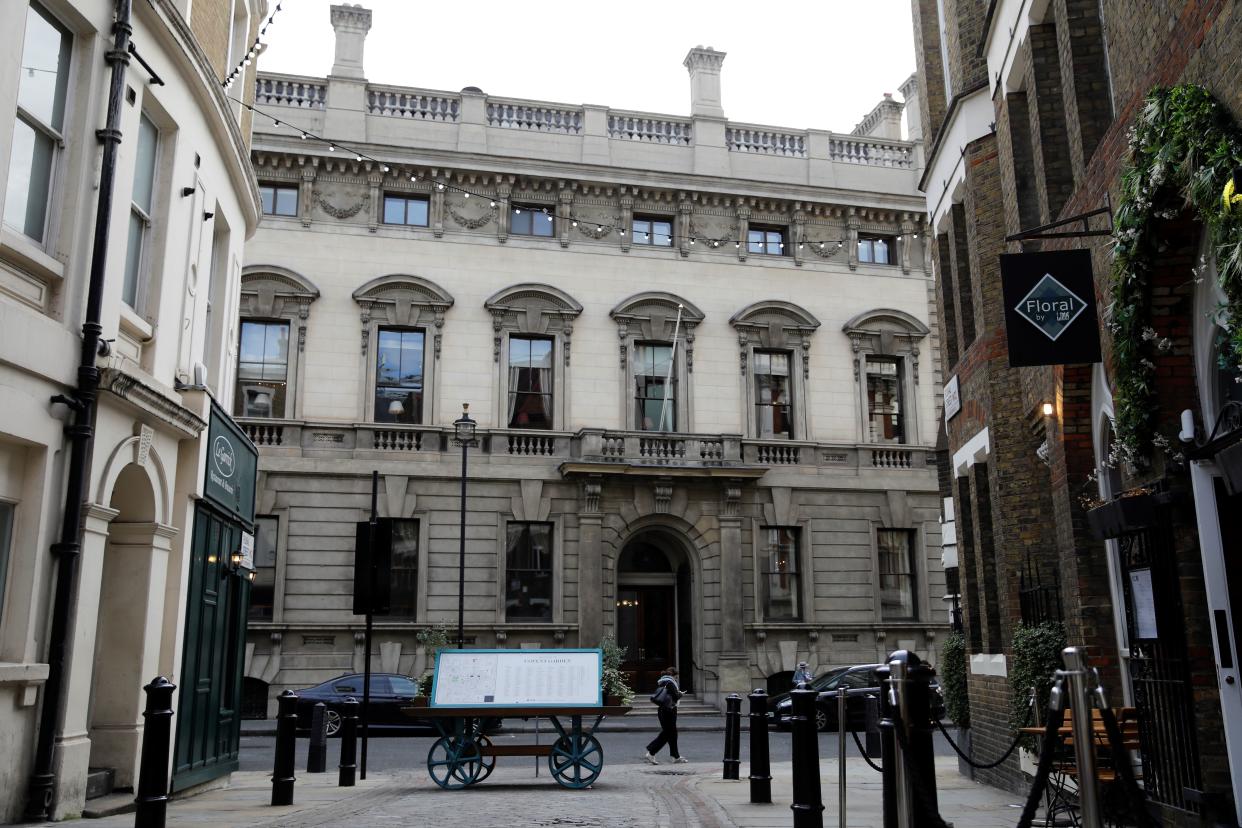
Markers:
point(1132, 510)
point(612, 680)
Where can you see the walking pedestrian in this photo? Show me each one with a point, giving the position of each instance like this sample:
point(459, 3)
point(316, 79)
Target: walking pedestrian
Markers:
point(802, 675)
point(665, 698)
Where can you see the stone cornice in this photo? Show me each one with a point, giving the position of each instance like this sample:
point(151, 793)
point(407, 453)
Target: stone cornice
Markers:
point(149, 399)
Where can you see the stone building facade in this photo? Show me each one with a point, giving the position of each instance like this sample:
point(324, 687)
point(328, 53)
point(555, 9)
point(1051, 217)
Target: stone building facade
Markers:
point(183, 204)
point(700, 353)
point(1028, 109)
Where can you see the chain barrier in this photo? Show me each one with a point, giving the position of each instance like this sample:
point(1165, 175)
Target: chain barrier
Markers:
point(863, 751)
point(987, 765)
point(1135, 796)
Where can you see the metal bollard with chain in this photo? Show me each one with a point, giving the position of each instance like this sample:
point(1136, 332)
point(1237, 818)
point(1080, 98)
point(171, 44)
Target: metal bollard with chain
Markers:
point(760, 765)
point(733, 727)
point(808, 805)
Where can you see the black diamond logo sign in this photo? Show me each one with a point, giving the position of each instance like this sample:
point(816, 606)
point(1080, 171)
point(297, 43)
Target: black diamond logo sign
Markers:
point(1051, 307)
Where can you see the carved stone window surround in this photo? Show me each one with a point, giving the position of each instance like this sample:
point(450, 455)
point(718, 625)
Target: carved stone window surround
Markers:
point(889, 333)
point(532, 309)
point(274, 293)
point(652, 317)
point(777, 326)
point(402, 301)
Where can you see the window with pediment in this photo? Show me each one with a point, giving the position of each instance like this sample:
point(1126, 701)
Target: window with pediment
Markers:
point(402, 323)
point(533, 327)
point(275, 307)
point(885, 345)
point(656, 333)
point(775, 342)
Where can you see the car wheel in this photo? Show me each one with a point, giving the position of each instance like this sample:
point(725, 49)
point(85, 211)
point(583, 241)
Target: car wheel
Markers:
point(821, 719)
point(332, 720)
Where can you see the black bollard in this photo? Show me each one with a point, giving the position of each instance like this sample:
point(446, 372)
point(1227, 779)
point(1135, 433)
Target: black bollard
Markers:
point(888, 750)
point(733, 727)
point(760, 766)
point(349, 743)
point(919, 730)
point(871, 711)
point(317, 754)
point(152, 799)
point(808, 805)
point(286, 742)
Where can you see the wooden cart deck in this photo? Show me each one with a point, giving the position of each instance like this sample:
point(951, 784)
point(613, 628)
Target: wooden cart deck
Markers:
point(464, 755)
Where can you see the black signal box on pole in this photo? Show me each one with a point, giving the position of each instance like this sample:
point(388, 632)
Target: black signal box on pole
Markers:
point(371, 589)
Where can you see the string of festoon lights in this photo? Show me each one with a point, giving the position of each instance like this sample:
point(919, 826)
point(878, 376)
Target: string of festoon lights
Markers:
point(252, 52)
point(825, 247)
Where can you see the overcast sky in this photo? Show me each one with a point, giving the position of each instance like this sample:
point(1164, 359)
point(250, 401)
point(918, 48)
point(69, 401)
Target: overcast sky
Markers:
point(821, 64)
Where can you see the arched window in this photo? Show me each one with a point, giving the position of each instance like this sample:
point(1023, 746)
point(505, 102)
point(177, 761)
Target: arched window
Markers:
point(885, 343)
point(656, 331)
point(775, 342)
point(275, 306)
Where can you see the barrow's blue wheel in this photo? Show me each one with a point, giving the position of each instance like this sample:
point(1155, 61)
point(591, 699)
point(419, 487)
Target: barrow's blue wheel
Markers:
point(576, 761)
point(487, 763)
point(454, 763)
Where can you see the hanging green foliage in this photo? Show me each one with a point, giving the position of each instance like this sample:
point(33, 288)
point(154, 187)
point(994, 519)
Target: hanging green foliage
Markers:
point(952, 672)
point(1184, 147)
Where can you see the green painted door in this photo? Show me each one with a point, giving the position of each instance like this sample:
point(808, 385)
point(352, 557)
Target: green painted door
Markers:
point(208, 724)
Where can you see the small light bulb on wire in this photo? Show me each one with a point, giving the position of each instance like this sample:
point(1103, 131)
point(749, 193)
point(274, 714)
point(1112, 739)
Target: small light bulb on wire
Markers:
point(331, 147)
point(440, 187)
point(467, 195)
point(493, 202)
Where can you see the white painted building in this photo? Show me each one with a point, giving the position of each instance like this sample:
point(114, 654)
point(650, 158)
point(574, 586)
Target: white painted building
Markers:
point(184, 202)
point(557, 267)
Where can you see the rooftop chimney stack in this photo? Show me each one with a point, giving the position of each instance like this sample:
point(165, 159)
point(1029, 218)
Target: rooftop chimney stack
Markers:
point(351, 24)
point(704, 68)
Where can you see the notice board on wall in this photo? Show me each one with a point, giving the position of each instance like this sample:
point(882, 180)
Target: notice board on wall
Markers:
point(510, 678)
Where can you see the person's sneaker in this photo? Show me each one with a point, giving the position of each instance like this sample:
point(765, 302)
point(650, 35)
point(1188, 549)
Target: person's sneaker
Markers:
point(681, 760)
point(651, 760)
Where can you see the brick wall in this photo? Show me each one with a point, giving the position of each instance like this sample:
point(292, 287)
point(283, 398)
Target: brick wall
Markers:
point(211, 21)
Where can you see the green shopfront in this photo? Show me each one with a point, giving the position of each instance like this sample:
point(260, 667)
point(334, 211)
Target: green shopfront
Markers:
point(207, 715)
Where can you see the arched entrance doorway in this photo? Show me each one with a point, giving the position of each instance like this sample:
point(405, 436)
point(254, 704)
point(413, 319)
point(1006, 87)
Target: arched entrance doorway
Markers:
point(654, 610)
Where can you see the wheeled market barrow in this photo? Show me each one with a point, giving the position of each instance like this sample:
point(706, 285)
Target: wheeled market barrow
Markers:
point(464, 755)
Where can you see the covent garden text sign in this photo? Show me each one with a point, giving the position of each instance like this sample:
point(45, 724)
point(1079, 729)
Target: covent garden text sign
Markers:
point(1050, 314)
point(232, 464)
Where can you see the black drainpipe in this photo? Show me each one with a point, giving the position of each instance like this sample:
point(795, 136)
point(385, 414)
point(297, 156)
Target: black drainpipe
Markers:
point(81, 436)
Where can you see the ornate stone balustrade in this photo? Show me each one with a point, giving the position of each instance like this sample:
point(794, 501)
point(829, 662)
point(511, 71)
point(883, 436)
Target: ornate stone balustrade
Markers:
point(534, 117)
point(714, 454)
point(410, 103)
point(765, 140)
point(653, 129)
point(286, 90)
point(874, 152)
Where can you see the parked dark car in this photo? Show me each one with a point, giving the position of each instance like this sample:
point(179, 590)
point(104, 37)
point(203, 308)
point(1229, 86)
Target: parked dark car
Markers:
point(858, 677)
point(389, 694)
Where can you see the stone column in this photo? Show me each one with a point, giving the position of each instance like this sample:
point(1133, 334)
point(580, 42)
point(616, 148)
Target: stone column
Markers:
point(743, 231)
point(799, 236)
point(853, 223)
point(627, 221)
point(503, 190)
point(734, 663)
point(306, 192)
point(590, 567)
point(683, 226)
point(375, 184)
point(564, 212)
point(907, 241)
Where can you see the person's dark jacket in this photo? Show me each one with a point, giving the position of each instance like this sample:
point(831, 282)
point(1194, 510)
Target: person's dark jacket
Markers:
point(667, 693)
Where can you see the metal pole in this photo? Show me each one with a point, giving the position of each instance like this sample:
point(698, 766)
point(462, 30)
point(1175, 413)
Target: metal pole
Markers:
point(732, 746)
point(286, 742)
point(1084, 739)
point(903, 782)
point(889, 758)
point(81, 436)
point(760, 756)
point(461, 558)
point(843, 695)
point(349, 744)
point(152, 799)
point(366, 666)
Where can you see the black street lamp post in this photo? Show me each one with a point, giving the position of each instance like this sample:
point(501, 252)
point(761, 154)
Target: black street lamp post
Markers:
point(464, 436)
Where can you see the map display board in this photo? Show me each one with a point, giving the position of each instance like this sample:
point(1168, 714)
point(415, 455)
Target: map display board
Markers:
point(507, 678)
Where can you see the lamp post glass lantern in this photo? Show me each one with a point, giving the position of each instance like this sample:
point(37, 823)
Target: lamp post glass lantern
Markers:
point(464, 436)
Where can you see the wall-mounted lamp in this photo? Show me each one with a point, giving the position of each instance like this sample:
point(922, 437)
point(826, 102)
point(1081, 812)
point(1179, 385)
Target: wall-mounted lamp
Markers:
point(1048, 409)
point(187, 192)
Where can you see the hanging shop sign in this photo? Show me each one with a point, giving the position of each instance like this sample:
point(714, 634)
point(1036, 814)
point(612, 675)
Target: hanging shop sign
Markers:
point(232, 464)
point(1050, 313)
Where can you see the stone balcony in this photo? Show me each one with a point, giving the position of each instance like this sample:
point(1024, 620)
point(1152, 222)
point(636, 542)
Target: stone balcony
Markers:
point(588, 451)
point(434, 122)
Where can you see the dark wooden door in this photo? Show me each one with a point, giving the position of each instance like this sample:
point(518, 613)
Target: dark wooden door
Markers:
point(646, 627)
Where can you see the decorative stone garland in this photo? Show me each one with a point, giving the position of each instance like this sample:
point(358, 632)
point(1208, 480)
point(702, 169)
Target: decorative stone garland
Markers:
point(1184, 147)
